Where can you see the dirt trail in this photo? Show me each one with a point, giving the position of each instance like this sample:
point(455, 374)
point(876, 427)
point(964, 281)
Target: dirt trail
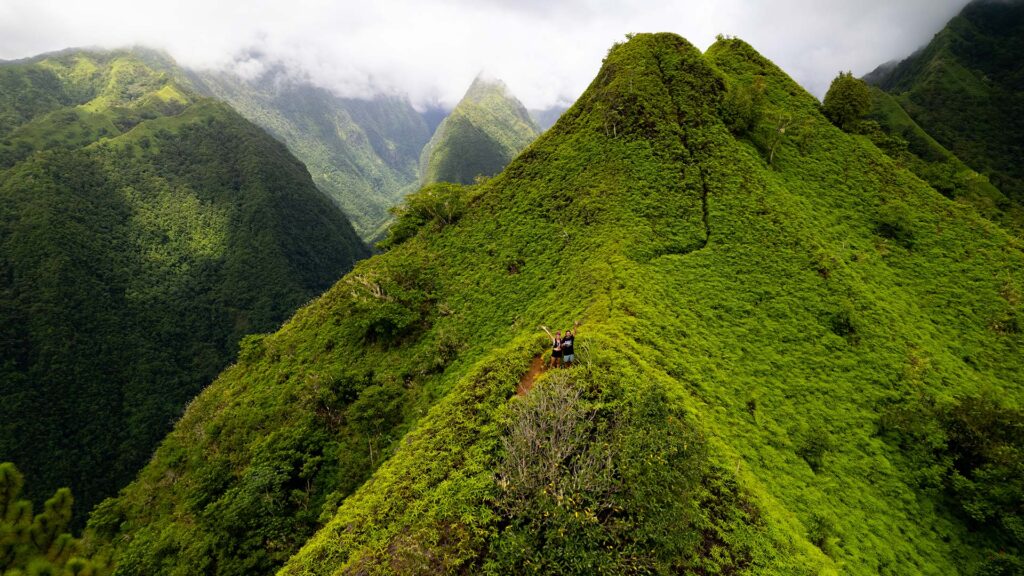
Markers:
point(526, 382)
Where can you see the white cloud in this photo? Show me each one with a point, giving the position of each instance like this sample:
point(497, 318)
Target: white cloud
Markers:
point(546, 51)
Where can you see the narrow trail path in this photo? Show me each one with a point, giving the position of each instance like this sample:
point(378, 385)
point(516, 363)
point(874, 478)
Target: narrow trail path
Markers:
point(526, 382)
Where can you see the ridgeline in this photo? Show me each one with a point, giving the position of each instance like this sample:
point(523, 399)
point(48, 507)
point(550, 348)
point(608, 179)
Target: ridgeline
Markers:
point(965, 89)
point(363, 154)
point(784, 336)
point(481, 135)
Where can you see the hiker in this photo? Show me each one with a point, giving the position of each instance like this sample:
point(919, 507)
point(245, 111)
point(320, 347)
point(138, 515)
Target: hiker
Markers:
point(567, 345)
point(556, 347)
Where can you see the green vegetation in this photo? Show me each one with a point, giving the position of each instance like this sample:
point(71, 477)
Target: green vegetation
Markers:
point(38, 544)
point(363, 154)
point(440, 204)
point(756, 305)
point(143, 232)
point(971, 453)
point(857, 108)
point(481, 136)
point(896, 134)
point(964, 89)
point(847, 101)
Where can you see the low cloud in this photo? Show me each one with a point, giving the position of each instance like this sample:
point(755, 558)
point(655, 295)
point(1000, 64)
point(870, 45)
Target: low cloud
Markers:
point(546, 51)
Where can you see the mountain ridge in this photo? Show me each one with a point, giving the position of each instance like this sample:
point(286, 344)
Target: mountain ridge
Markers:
point(363, 154)
point(484, 131)
point(964, 89)
point(753, 302)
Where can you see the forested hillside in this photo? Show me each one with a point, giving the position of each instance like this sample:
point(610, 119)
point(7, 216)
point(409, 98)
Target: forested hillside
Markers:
point(143, 231)
point(794, 357)
point(364, 154)
point(898, 135)
point(479, 137)
point(966, 89)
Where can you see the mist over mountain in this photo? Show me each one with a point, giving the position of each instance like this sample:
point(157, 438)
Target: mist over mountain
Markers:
point(430, 50)
point(433, 115)
point(546, 117)
point(363, 154)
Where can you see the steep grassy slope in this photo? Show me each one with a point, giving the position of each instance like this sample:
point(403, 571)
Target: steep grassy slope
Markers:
point(482, 134)
point(745, 328)
point(966, 89)
point(906, 142)
point(363, 154)
point(143, 232)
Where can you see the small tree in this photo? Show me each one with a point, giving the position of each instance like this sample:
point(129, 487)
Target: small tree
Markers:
point(847, 101)
point(743, 106)
point(39, 544)
point(440, 203)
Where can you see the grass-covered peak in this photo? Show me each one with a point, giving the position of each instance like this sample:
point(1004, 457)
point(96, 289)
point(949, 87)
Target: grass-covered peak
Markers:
point(484, 131)
point(773, 314)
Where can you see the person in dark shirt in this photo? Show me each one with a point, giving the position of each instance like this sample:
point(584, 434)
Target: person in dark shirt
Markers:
point(568, 354)
point(556, 347)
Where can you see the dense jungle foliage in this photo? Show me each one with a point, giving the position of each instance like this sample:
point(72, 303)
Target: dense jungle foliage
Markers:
point(143, 231)
point(788, 359)
point(39, 544)
point(480, 136)
point(966, 89)
point(364, 154)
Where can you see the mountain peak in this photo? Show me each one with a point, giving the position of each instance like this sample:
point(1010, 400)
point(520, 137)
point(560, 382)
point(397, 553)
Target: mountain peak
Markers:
point(484, 131)
point(654, 82)
point(484, 85)
point(750, 302)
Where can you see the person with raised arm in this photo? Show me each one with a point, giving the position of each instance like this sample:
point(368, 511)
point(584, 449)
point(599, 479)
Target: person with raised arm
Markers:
point(556, 347)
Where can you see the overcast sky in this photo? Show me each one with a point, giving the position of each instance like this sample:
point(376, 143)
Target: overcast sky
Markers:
point(547, 51)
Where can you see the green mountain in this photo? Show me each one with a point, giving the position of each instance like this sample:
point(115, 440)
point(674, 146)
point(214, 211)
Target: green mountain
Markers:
point(143, 231)
point(966, 89)
point(483, 133)
point(794, 357)
point(897, 134)
point(364, 154)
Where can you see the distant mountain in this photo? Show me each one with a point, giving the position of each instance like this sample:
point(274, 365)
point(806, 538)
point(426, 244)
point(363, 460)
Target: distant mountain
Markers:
point(966, 89)
point(484, 131)
point(795, 357)
point(144, 230)
point(906, 142)
point(433, 116)
point(545, 118)
point(363, 154)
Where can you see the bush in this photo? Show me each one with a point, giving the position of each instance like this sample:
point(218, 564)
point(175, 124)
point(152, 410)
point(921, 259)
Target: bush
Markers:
point(440, 204)
point(821, 531)
point(40, 544)
point(893, 224)
point(743, 106)
point(590, 485)
point(847, 101)
point(973, 451)
point(392, 304)
point(813, 442)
